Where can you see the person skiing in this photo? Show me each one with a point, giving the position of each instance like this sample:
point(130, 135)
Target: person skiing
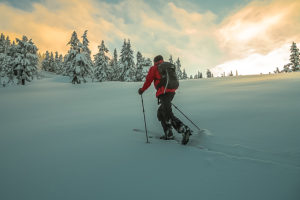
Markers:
point(165, 94)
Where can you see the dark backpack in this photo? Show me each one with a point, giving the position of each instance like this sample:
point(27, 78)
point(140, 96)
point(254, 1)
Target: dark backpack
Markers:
point(168, 75)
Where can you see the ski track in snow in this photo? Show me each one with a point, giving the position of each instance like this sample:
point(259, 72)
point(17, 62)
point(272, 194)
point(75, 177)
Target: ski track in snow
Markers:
point(232, 151)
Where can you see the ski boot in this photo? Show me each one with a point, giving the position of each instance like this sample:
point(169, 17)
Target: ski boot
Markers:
point(186, 132)
point(168, 135)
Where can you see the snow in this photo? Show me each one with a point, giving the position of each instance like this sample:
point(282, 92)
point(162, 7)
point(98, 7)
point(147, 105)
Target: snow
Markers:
point(64, 141)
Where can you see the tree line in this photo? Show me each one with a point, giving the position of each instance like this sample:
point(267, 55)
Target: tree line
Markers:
point(19, 61)
point(79, 65)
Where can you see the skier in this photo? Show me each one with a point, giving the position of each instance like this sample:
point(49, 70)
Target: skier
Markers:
point(165, 95)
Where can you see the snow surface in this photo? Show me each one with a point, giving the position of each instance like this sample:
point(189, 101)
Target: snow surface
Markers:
point(64, 141)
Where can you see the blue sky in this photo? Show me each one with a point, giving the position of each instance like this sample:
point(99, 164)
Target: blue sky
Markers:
point(248, 36)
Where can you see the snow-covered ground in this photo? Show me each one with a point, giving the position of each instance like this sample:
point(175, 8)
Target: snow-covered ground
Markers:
point(62, 141)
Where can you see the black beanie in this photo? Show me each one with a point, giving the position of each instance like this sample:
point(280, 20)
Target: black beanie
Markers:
point(158, 58)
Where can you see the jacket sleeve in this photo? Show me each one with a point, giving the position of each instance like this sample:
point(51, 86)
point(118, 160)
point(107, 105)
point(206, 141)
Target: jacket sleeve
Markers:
point(149, 78)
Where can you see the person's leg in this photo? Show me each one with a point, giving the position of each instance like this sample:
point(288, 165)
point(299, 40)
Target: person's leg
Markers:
point(164, 113)
point(179, 126)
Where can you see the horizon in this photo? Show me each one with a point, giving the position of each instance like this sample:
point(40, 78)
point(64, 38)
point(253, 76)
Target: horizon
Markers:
point(248, 36)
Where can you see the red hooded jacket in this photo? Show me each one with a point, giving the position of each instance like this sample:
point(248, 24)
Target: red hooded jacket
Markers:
point(153, 75)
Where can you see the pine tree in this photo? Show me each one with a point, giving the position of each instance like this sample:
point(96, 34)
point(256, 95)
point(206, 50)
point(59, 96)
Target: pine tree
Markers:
point(69, 61)
point(46, 62)
point(286, 68)
point(142, 67)
point(139, 66)
point(76, 63)
point(58, 63)
point(86, 50)
point(26, 60)
point(127, 63)
point(184, 75)
point(40, 62)
point(11, 72)
point(51, 63)
point(114, 66)
point(5, 60)
point(3, 54)
point(294, 57)
point(200, 75)
point(101, 71)
point(208, 74)
point(178, 69)
point(146, 67)
point(171, 59)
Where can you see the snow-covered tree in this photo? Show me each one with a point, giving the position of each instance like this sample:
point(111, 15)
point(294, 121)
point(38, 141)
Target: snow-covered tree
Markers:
point(3, 54)
point(127, 63)
point(58, 63)
point(142, 67)
point(86, 50)
point(184, 75)
point(178, 69)
point(286, 68)
point(294, 57)
point(139, 66)
point(171, 59)
point(146, 67)
point(69, 60)
point(46, 62)
point(208, 74)
point(230, 74)
point(26, 60)
point(191, 76)
point(5, 60)
point(51, 63)
point(76, 62)
point(41, 57)
point(114, 65)
point(10, 71)
point(200, 75)
point(101, 71)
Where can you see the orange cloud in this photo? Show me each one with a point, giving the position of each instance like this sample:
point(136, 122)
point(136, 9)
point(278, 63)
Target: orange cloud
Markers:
point(260, 27)
point(51, 29)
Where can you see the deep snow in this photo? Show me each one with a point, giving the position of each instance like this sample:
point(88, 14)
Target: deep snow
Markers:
point(64, 141)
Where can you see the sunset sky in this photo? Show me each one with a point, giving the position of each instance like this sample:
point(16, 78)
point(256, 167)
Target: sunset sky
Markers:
point(249, 36)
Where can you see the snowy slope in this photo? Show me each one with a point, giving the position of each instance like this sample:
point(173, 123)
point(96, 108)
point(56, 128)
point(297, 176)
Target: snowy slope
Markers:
point(64, 141)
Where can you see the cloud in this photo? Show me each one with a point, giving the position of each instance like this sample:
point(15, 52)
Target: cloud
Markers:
point(256, 38)
point(198, 38)
point(255, 63)
point(259, 27)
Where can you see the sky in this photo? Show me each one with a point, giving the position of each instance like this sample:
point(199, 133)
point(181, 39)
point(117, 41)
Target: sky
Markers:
point(251, 37)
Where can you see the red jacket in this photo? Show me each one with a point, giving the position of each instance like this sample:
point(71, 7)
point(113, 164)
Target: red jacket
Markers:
point(153, 75)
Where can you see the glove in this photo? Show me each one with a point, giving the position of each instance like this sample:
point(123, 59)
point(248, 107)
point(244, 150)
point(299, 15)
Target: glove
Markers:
point(140, 91)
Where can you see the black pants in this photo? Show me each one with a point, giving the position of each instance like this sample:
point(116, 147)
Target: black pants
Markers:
point(165, 114)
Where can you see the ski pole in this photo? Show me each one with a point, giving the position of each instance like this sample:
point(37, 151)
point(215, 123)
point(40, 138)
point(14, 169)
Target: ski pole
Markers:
point(144, 119)
point(186, 117)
